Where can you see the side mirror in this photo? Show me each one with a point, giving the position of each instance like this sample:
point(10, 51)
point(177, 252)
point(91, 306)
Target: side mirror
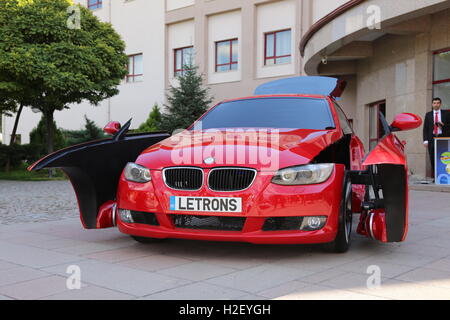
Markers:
point(112, 128)
point(406, 121)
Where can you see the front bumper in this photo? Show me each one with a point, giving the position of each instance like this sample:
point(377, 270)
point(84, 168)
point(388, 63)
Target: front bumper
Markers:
point(261, 201)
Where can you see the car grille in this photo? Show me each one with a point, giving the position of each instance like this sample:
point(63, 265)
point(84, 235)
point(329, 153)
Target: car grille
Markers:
point(231, 179)
point(208, 222)
point(183, 178)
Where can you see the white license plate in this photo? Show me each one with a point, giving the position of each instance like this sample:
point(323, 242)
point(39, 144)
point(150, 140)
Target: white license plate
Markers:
point(205, 204)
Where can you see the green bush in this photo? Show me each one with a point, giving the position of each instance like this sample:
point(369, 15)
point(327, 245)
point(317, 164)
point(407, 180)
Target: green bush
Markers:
point(90, 132)
point(18, 154)
point(153, 121)
point(38, 138)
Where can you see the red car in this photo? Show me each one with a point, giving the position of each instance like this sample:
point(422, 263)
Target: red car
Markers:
point(281, 167)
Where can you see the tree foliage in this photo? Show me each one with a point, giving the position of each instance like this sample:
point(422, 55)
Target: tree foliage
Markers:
point(50, 65)
point(153, 122)
point(90, 132)
point(186, 102)
point(39, 134)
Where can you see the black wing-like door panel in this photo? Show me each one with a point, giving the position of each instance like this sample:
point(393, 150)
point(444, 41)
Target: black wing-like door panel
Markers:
point(94, 168)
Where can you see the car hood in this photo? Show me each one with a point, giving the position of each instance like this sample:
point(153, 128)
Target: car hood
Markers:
point(261, 149)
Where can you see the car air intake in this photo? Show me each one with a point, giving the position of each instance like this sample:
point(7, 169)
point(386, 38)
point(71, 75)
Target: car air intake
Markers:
point(145, 218)
point(208, 222)
point(183, 178)
point(282, 224)
point(231, 179)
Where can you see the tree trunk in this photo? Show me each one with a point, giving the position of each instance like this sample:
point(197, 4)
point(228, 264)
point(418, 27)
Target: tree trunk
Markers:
point(50, 137)
point(13, 137)
point(16, 124)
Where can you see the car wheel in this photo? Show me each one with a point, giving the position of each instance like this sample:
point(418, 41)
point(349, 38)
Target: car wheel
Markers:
point(146, 240)
point(343, 238)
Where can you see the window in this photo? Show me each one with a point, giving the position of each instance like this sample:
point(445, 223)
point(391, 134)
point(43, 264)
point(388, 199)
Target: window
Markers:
point(135, 68)
point(277, 47)
point(227, 55)
point(184, 57)
point(345, 123)
point(282, 113)
point(441, 77)
point(95, 4)
point(376, 128)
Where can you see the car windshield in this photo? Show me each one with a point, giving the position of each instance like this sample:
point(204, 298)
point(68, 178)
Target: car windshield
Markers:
point(276, 112)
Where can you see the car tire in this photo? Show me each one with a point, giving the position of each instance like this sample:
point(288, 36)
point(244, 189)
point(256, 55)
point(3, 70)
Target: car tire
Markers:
point(343, 238)
point(145, 240)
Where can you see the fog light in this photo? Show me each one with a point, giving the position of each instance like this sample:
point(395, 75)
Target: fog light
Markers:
point(126, 216)
point(313, 223)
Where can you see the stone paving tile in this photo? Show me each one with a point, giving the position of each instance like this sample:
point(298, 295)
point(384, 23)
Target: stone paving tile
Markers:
point(196, 271)
point(401, 290)
point(32, 257)
point(259, 278)
point(442, 265)
point(7, 265)
point(406, 259)
point(429, 277)
point(388, 270)
point(122, 254)
point(283, 289)
point(35, 289)
point(317, 292)
point(122, 279)
point(157, 262)
point(422, 249)
point(91, 293)
point(252, 297)
point(197, 291)
point(19, 274)
point(88, 248)
point(350, 281)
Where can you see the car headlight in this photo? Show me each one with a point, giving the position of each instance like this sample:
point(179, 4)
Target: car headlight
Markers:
point(303, 175)
point(136, 173)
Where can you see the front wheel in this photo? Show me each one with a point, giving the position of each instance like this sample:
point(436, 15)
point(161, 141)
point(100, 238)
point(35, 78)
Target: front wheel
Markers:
point(342, 242)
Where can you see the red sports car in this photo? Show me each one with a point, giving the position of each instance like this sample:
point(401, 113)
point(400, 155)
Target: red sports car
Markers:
point(281, 167)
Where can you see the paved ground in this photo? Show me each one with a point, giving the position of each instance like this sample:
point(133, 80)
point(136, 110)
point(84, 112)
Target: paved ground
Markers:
point(34, 258)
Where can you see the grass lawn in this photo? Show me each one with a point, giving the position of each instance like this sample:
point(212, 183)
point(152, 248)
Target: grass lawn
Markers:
point(21, 174)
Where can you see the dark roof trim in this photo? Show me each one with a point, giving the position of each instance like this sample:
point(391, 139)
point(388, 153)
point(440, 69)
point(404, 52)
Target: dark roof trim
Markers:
point(325, 20)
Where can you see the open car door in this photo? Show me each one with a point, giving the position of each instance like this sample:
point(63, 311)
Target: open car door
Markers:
point(94, 168)
point(385, 215)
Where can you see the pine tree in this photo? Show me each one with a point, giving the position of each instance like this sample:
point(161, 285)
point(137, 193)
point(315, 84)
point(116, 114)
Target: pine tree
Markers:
point(186, 102)
point(153, 121)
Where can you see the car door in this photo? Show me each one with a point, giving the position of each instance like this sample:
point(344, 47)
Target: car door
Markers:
point(387, 164)
point(94, 168)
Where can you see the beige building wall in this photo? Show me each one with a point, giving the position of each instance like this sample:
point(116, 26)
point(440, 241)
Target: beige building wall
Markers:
point(216, 20)
point(224, 26)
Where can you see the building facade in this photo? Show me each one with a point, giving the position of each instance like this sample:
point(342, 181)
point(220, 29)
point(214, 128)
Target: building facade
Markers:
point(397, 55)
point(394, 55)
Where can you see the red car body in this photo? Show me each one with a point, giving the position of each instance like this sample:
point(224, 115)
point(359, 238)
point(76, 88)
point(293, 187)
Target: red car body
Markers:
point(271, 213)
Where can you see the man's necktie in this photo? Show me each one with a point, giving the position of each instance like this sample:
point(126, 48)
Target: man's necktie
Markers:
point(436, 120)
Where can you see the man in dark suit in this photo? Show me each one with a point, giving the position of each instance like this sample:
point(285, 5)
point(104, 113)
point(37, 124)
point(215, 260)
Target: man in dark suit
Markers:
point(436, 124)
